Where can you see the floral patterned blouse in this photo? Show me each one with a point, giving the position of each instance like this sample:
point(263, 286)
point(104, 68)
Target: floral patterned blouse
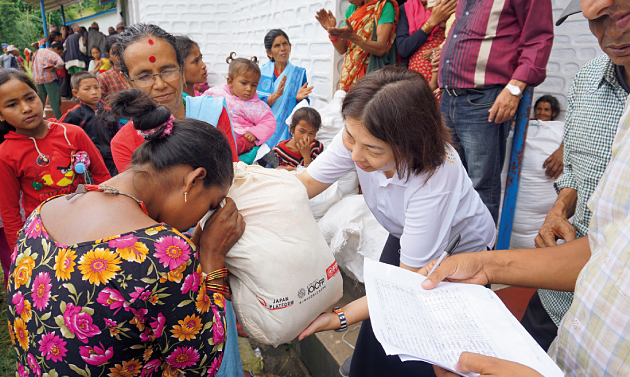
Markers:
point(129, 305)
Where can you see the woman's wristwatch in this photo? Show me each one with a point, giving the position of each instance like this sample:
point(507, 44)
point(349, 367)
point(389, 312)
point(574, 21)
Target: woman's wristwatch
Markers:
point(342, 319)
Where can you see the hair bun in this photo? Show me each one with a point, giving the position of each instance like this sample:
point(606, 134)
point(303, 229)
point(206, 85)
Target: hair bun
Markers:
point(230, 58)
point(145, 114)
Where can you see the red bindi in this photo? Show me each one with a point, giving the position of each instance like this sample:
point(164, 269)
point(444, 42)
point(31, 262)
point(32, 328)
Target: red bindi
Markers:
point(152, 59)
point(151, 42)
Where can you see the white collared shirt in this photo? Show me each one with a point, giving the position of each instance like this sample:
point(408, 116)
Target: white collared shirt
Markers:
point(424, 215)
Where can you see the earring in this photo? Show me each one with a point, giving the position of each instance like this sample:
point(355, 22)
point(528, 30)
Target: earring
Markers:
point(185, 197)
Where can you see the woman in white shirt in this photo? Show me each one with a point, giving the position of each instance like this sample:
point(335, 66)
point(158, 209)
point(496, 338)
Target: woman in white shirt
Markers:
point(413, 182)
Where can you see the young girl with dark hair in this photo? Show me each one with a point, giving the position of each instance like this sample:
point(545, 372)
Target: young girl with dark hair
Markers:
point(194, 68)
point(114, 256)
point(302, 148)
point(252, 120)
point(151, 62)
point(37, 156)
point(413, 182)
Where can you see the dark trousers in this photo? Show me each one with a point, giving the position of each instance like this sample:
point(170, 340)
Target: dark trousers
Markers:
point(51, 90)
point(481, 144)
point(369, 358)
point(64, 86)
point(538, 323)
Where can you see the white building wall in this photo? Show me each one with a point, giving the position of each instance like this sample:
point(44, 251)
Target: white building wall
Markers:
point(573, 46)
point(221, 26)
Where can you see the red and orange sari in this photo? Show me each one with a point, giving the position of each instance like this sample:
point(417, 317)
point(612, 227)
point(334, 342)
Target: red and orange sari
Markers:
point(363, 21)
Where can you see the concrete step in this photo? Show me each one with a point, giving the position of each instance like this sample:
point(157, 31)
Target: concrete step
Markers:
point(65, 106)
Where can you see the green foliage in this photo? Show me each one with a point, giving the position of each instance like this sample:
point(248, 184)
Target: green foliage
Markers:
point(21, 24)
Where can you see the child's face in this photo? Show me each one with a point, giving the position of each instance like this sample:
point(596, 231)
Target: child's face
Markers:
point(20, 107)
point(89, 92)
point(96, 54)
point(195, 68)
point(543, 111)
point(244, 86)
point(304, 131)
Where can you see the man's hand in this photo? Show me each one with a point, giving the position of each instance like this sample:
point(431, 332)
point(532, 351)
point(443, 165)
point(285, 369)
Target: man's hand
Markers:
point(487, 366)
point(554, 163)
point(504, 107)
point(554, 228)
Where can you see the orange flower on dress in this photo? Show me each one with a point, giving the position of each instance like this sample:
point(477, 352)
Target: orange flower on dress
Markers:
point(175, 275)
point(26, 314)
point(148, 352)
point(64, 264)
point(11, 332)
point(187, 329)
point(129, 248)
point(154, 299)
point(99, 266)
point(203, 301)
point(23, 271)
point(155, 230)
point(21, 333)
point(127, 369)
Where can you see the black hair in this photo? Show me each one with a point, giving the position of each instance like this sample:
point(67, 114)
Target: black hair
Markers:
point(57, 45)
point(96, 47)
point(7, 75)
point(76, 79)
point(191, 142)
point(52, 36)
point(240, 66)
point(109, 42)
point(184, 46)
point(552, 101)
point(271, 36)
point(307, 114)
point(134, 33)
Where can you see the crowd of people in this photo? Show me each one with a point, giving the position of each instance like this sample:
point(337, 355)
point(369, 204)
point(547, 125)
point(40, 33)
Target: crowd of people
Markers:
point(110, 273)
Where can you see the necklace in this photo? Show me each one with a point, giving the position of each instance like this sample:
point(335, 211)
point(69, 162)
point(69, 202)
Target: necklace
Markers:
point(82, 189)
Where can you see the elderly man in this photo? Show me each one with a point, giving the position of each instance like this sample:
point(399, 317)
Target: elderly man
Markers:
point(95, 38)
point(596, 102)
point(593, 336)
point(494, 50)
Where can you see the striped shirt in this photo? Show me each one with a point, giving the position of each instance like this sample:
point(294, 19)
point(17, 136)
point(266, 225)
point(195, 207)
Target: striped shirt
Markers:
point(493, 41)
point(596, 102)
point(593, 338)
point(287, 157)
point(111, 82)
point(44, 58)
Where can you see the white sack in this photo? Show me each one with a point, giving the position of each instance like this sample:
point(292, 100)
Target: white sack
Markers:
point(353, 234)
point(349, 184)
point(332, 121)
point(284, 275)
point(536, 194)
point(322, 202)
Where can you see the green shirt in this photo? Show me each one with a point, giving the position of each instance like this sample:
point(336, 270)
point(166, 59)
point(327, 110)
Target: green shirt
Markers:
point(388, 16)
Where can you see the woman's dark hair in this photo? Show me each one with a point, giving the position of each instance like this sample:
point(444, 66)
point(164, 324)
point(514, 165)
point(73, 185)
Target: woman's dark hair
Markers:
point(136, 32)
point(52, 36)
point(184, 46)
point(96, 47)
point(271, 36)
point(397, 105)
point(307, 114)
point(241, 66)
point(7, 75)
point(553, 102)
point(192, 142)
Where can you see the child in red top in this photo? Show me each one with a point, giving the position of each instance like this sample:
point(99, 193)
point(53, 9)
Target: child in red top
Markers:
point(302, 148)
point(36, 156)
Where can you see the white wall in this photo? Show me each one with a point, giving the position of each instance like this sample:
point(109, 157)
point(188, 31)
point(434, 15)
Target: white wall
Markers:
point(104, 21)
point(221, 26)
point(573, 46)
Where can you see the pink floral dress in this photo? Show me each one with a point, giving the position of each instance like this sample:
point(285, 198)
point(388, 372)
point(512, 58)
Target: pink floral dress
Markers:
point(130, 305)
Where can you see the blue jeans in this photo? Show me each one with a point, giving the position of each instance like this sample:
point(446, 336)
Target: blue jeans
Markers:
point(481, 144)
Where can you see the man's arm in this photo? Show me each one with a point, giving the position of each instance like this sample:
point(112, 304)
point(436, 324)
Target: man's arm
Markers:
point(557, 225)
point(555, 268)
point(534, 49)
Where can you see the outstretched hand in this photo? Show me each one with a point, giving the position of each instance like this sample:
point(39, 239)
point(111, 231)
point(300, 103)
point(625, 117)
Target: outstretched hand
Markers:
point(463, 268)
point(326, 19)
point(303, 92)
point(487, 366)
point(325, 321)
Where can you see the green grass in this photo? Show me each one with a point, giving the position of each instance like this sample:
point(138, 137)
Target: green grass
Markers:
point(7, 352)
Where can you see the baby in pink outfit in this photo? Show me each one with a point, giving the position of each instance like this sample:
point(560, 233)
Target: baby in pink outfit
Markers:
point(252, 120)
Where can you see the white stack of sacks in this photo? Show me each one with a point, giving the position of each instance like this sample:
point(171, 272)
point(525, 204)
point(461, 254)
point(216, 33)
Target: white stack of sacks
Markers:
point(344, 218)
point(536, 194)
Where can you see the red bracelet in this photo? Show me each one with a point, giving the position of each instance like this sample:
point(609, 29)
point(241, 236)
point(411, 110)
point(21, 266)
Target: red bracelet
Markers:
point(335, 39)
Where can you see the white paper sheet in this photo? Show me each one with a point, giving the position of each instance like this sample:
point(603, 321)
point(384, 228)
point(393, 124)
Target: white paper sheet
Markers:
point(436, 326)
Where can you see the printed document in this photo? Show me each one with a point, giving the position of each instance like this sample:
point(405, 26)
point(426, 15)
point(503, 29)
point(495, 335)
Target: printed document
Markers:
point(437, 325)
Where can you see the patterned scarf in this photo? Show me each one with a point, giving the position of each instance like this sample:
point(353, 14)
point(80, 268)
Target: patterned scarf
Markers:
point(363, 21)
